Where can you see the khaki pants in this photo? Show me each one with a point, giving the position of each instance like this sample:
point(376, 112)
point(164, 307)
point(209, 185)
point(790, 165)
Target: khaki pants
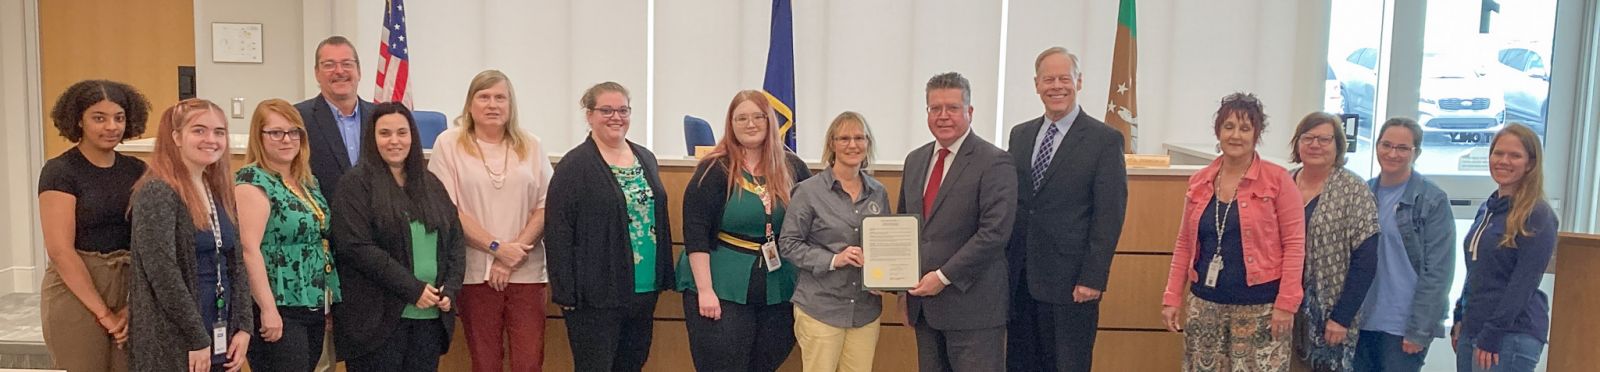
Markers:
point(825, 348)
point(72, 335)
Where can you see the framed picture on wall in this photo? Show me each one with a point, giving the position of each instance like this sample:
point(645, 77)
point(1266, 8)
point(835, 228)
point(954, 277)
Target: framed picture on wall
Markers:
point(236, 42)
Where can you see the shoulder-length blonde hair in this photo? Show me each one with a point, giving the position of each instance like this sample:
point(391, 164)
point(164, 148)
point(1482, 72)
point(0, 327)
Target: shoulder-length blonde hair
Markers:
point(514, 137)
point(1530, 190)
point(829, 153)
point(774, 158)
point(166, 163)
point(256, 150)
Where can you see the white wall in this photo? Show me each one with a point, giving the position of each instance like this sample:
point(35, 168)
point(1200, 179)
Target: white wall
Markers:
point(22, 259)
point(284, 59)
point(551, 50)
point(871, 57)
point(1191, 54)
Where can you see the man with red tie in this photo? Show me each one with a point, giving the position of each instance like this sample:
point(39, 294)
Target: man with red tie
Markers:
point(965, 189)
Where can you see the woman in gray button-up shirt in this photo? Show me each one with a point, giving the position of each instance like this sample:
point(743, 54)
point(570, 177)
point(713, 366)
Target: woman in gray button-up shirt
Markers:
point(836, 321)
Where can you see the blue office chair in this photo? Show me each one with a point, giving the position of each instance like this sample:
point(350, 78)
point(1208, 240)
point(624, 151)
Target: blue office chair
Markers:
point(697, 132)
point(429, 125)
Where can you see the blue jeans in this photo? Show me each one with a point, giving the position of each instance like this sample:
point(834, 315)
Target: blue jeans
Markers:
point(1518, 353)
point(1381, 352)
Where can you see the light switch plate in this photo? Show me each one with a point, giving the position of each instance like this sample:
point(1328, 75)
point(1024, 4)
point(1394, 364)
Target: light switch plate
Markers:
point(238, 107)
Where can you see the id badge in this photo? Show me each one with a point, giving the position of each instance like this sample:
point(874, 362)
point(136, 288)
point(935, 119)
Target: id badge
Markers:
point(219, 338)
point(769, 253)
point(1212, 271)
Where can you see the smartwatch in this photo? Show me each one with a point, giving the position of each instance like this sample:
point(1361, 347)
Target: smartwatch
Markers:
point(494, 246)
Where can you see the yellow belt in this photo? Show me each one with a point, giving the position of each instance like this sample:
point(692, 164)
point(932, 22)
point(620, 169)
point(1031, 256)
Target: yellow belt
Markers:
point(735, 241)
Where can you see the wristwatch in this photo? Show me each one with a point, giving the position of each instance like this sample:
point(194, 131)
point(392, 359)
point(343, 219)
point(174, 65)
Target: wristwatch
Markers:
point(494, 246)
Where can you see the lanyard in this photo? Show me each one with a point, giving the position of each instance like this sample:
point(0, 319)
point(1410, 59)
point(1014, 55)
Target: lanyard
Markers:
point(1220, 220)
point(216, 254)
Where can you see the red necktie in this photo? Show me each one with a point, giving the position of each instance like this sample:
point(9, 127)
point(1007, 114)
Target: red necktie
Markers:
point(933, 183)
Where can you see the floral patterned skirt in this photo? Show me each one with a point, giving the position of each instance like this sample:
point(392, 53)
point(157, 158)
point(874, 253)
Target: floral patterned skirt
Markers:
point(1235, 338)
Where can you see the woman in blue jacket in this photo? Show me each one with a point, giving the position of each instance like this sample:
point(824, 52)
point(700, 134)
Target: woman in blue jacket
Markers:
point(1502, 318)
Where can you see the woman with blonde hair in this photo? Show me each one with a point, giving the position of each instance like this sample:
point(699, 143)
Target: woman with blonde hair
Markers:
point(190, 298)
point(498, 176)
point(1502, 318)
point(836, 321)
point(736, 302)
point(283, 224)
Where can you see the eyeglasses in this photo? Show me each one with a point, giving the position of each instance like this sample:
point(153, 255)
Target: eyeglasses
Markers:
point(941, 110)
point(1307, 139)
point(278, 135)
point(849, 139)
point(348, 64)
point(1385, 146)
point(608, 112)
point(747, 119)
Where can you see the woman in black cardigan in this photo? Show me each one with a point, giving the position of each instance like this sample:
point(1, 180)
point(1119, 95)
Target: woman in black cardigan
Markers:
point(736, 303)
point(608, 240)
point(398, 311)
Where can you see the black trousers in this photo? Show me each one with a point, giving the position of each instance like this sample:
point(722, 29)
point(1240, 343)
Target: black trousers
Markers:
point(1044, 336)
point(747, 338)
point(414, 346)
point(300, 347)
point(612, 339)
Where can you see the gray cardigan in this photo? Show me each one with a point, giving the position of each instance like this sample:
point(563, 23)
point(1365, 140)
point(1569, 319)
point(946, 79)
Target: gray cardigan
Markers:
point(163, 324)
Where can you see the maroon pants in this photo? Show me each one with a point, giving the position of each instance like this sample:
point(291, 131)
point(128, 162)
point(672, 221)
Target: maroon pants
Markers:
point(495, 320)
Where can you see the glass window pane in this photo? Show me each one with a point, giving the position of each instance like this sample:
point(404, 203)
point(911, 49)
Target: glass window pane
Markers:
point(1480, 70)
point(1354, 34)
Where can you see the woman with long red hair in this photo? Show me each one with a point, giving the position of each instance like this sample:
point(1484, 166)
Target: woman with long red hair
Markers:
point(736, 288)
point(190, 301)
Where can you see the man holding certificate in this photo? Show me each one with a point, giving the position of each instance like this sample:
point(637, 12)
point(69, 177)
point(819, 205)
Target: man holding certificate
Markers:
point(965, 190)
point(1072, 199)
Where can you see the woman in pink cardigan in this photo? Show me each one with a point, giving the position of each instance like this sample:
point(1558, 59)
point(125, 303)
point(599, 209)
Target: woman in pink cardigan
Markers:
point(1240, 251)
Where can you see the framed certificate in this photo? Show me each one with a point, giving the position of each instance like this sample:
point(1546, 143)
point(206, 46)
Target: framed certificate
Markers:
point(889, 246)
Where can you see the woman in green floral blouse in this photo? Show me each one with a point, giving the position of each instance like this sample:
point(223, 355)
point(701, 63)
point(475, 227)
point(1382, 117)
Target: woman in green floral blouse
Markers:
point(283, 223)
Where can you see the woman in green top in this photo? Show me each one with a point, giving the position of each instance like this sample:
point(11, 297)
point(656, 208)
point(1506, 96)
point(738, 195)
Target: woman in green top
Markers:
point(731, 275)
point(283, 223)
point(399, 250)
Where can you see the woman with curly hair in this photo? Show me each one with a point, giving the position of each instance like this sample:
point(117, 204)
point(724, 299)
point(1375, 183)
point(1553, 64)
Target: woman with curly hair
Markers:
point(83, 204)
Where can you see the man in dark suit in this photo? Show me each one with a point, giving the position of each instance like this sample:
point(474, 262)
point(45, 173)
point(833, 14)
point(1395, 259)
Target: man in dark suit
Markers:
point(1073, 194)
point(334, 118)
point(965, 190)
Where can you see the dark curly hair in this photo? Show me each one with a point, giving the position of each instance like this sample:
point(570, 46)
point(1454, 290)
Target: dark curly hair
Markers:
point(69, 108)
point(1243, 104)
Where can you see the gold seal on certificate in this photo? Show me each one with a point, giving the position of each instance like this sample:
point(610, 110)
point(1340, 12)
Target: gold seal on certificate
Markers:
point(889, 251)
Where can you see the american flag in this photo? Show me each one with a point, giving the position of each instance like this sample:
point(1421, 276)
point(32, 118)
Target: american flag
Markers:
point(394, 72)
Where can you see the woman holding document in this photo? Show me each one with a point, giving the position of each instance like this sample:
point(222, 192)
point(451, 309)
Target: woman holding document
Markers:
point(836, 321)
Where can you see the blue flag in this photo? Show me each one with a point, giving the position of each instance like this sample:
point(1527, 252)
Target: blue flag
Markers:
point(779, 84)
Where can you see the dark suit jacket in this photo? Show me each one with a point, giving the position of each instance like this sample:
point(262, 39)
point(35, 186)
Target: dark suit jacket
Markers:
point(965, 235)
point(586, 230)
point(1067, 231)
point(329, 159)
point(375, 269)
